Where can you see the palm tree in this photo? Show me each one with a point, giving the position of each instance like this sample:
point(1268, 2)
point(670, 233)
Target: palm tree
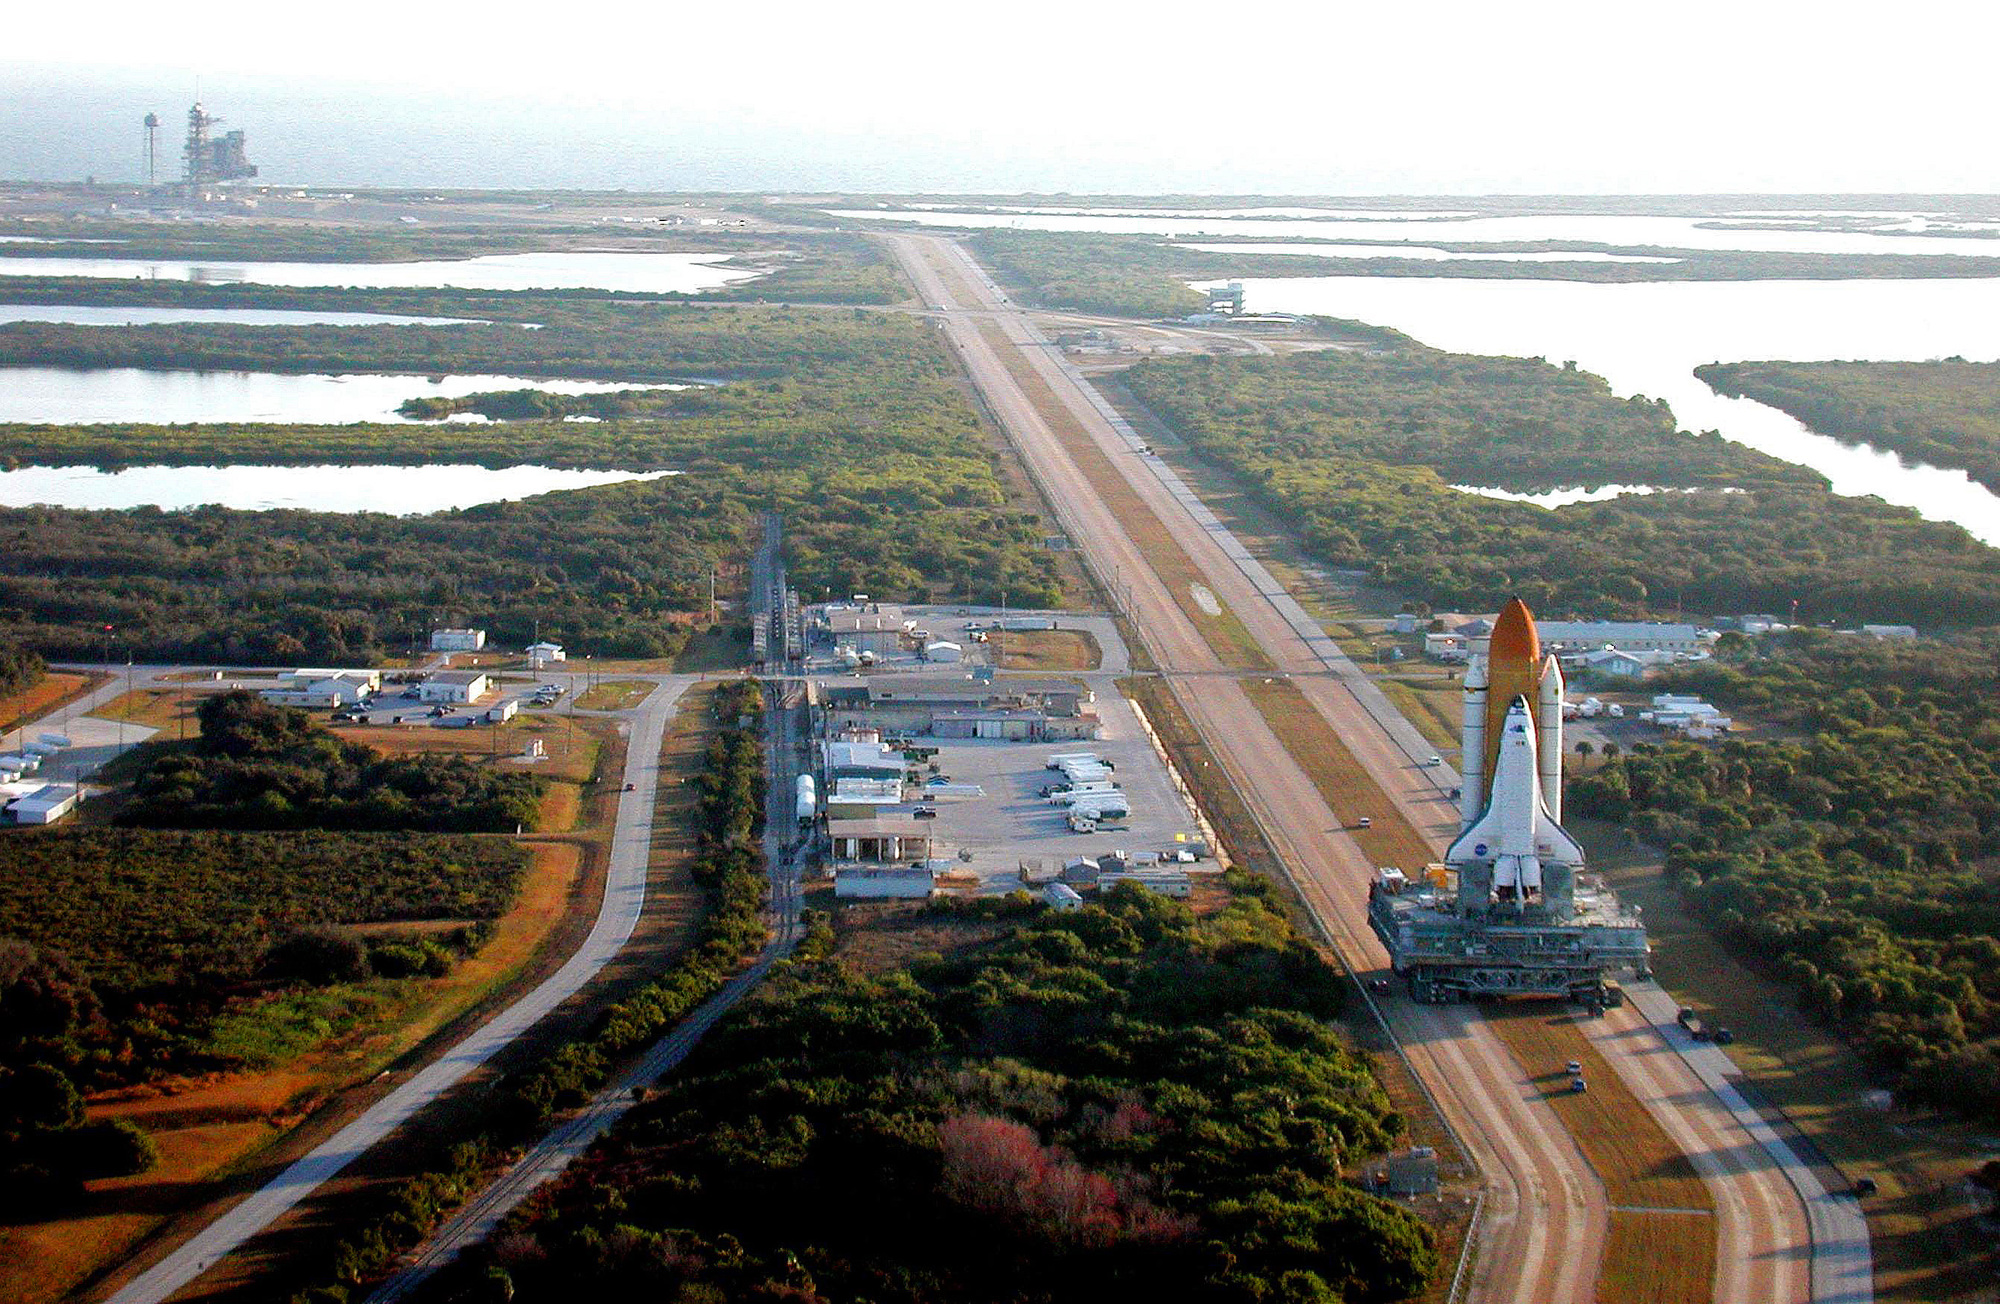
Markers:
point(1584, 749)
point(1610, 750)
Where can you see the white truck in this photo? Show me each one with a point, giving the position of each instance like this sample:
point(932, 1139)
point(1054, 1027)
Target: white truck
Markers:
point(1083, 792)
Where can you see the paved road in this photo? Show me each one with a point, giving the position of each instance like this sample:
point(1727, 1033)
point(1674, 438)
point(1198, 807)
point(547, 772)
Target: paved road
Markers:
point(554, 1152)
point(1547, 1213)
point(624, 895)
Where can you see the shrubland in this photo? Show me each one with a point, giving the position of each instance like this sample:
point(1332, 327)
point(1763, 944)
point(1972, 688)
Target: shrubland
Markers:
point(1858, 860)
point(256, 766)
point(1111, 1102)
point(852, 426)
point(1360, 452)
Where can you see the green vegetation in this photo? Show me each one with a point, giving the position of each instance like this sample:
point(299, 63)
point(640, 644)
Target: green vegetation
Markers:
point(20, 669)
point(1856, 862)
point(47, 1149)
point(730, 871)
point(274, 767)
point(856, 431)
point(1146, 276)
point(1945, 413)
point(1514, 423)
point(143, 912)
point(197, 951)
point(1359, 452)
point(806, 267)
point(1120, 1101)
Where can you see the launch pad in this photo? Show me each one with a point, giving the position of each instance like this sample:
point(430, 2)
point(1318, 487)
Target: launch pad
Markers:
point(1510, 911)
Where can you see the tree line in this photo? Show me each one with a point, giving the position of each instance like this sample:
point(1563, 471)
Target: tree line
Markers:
point(1855, 861)
point(1360, 454)
point(257, 766)
point(1944, 412)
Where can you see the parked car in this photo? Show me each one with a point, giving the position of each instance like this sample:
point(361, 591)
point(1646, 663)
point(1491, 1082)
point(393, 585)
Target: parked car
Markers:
point(923, 813)
point(1577, 1085)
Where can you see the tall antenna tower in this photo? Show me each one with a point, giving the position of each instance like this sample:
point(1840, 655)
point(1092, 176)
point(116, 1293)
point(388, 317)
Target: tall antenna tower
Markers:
point(152, 149)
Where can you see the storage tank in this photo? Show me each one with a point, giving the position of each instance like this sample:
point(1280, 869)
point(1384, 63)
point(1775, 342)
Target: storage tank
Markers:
point(808, 800)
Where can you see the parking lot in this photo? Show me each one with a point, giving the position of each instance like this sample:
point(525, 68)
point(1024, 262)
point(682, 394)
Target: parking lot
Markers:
point(1013, 823)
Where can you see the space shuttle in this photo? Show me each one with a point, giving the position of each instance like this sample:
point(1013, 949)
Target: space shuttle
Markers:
point(1511, 847)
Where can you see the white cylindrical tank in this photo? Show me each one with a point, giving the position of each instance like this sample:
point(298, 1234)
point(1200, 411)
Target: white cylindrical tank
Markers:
point(808, 797)
point(1472, 748)
point(1549, 738)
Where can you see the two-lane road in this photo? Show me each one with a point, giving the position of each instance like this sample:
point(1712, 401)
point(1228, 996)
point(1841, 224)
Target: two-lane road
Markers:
point(624, 897)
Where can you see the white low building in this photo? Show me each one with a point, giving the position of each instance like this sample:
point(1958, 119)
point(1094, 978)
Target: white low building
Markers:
point(45, 805)
point(454, 686)
point(943, 650)
point(331, 689)
point(541, 654)
point(369, 679)
point(457, 640)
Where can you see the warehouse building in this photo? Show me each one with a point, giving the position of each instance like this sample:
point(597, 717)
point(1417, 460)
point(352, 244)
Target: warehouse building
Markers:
point(45, 805)
point(919, 704)
point(882, 839)
point(322, 688)
point(457, 640)
point(455, 686)
point(879, 631)
point(863, 760)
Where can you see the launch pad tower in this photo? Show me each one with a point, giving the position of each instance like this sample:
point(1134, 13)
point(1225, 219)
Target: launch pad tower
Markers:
point(207, 159)
point(1510, 912)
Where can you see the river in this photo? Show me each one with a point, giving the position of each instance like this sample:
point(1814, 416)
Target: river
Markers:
point(396, 490)
point(1647, 338)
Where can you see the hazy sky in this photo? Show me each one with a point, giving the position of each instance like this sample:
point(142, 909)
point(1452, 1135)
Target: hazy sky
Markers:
point(1436, 97)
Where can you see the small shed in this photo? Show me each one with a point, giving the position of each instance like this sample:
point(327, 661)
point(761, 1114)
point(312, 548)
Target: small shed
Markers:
point(1061, 896)
point(541, 654)
point(944, 650)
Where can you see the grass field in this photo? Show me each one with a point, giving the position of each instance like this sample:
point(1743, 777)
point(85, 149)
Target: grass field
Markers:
point(169, 710)
point(1928, 1240)
point(1046, 649)
point(1224, 632)
point(1658, 1258)
point(616, 695)
point(55, 690)
point(1432, 703)
point(1348, 788)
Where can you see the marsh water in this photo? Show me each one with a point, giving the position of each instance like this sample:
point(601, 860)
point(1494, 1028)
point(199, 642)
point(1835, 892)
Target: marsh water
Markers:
point(96, 395)
point(663, 273)
point(396, 490)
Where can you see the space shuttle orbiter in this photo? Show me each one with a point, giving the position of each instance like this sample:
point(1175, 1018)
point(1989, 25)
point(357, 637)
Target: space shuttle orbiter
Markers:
point(1510, 812)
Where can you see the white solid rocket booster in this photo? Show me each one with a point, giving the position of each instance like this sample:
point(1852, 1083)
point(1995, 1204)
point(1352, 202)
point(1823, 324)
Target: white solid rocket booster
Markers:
point(1549, 738)
point(1472, 747)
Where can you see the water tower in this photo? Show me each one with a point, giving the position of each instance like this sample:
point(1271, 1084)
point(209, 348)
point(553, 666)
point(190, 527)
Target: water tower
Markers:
point(152, 149)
